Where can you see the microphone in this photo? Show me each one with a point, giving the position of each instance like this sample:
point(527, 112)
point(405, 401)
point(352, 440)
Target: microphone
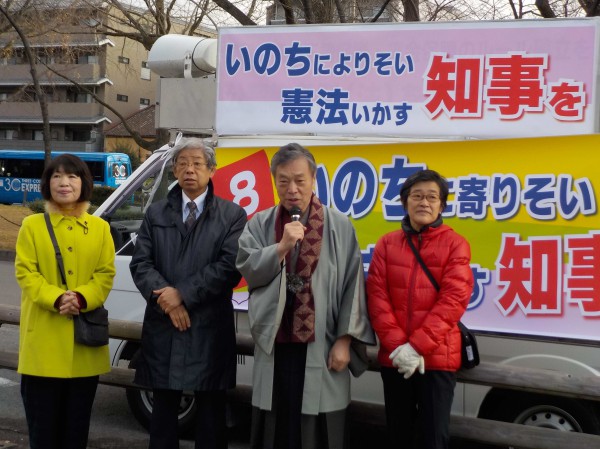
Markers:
point(295, 214)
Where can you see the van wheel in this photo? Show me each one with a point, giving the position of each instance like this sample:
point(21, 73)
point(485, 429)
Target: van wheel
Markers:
point(551, 412)
point(140, 402)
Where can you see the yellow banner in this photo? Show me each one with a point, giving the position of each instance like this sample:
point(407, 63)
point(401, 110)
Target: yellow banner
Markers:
point(528, 208)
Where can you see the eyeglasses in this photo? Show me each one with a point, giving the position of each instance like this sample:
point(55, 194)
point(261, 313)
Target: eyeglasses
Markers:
point(430, 197)
point(186, 164)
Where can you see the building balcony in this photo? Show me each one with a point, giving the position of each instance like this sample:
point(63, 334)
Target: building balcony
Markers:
point(15, 75)
point(21, 112)
point(56, 145)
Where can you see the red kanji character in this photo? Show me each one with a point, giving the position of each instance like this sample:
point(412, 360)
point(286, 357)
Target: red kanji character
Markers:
point(454, 85)
point(530, 274)
point(566, 100)
point(516, 84)
point(583, 273)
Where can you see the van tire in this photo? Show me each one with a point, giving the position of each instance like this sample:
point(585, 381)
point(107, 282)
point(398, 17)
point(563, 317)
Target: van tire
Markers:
point(140, 403)
point(542, 410)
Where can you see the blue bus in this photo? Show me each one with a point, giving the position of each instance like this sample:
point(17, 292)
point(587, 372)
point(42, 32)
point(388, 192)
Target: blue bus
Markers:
point(20, 172)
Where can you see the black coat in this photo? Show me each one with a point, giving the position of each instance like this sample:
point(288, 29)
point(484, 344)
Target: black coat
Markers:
point(200, 264)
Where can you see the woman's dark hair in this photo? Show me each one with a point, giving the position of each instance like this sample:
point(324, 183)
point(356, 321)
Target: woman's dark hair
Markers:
point(72, 165)
point(291, 152)
point(425, 176)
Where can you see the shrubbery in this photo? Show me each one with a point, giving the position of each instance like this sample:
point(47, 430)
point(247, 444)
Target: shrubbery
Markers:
point(100, 193)
point(37, 206)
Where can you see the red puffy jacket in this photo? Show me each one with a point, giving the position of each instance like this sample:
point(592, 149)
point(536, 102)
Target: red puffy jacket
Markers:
point(404, 306)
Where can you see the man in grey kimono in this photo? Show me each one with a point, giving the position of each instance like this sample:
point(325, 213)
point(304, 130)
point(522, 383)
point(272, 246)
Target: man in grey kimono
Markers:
point(307, 311)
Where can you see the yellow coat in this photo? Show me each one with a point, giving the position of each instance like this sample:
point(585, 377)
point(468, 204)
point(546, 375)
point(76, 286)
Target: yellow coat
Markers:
point(46, 346)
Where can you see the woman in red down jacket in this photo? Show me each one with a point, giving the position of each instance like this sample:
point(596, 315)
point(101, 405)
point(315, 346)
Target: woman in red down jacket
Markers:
point(417, 324)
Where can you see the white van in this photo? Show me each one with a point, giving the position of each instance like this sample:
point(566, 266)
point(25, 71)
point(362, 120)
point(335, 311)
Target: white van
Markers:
point(124, 210)
point(533, 195)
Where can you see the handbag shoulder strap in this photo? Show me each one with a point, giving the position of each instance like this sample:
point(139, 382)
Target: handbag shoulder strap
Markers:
point(461, 326)
point(59, 259)
point(421, 262)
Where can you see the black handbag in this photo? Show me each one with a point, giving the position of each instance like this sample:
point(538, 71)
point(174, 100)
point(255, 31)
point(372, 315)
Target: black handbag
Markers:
point(469, 350)
point(91, 328)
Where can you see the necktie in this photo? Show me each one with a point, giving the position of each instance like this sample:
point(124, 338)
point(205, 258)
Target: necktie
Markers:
point(191, 218)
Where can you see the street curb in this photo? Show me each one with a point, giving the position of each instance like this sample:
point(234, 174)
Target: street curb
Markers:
point(7, 255)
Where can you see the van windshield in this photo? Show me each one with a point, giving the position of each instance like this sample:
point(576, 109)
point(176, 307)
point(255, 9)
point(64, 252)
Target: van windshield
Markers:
point(125, 217)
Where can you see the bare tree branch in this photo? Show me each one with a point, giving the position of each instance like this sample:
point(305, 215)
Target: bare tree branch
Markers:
point(234, 11)
point(36, 83)
point(514, 9)
point(381, 11)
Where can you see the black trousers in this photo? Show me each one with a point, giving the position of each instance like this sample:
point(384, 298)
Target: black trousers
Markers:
point(290, 363)
point(417, 409)
point(284, 426)
point(211, 431)
point(58, 411)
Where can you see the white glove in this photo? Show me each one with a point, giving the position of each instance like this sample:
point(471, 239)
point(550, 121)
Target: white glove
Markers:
point(407, 360)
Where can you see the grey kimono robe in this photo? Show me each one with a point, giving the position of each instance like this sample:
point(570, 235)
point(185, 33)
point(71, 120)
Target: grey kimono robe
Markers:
point(340, 309)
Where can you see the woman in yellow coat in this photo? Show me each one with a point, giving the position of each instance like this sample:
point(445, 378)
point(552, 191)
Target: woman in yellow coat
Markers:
point(60, 377)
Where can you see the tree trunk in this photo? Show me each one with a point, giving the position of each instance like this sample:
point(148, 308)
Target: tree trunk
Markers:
point(592, 8)
point(544, 8)
point(411, 10)
point(289, 12)
point(340, 11)
point(309, 17)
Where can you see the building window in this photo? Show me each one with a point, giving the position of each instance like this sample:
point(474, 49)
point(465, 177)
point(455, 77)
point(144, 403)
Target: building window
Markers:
point(145, 71)
point(124, 98)
point(87, 59)
point(81, 135)
point(123, 60)
point(8, 134)
point(43, 58)
point(145, 101)
point(83, 98)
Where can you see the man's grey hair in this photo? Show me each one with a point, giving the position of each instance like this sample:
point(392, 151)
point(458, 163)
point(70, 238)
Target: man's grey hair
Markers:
point(197, 144)
point(291, 152)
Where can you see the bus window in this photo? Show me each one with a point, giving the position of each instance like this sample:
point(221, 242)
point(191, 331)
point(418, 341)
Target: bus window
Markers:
point(25, 168)
point(97, 170)
point(19, 180)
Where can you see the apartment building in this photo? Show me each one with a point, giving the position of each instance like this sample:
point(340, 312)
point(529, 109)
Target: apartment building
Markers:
point(113, 68)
